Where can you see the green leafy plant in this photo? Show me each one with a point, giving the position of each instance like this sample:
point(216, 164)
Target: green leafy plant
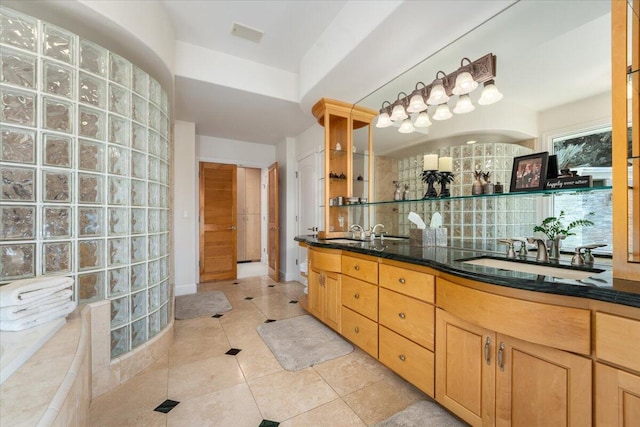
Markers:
point(552, 226)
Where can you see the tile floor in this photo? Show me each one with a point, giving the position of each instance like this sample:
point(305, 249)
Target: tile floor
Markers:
point(250, 388)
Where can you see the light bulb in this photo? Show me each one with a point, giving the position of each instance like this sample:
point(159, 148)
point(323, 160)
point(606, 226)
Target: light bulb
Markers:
point(442, 112)
point(464, 105)
point(490, 94)
point(398, 113)
point(422, 121)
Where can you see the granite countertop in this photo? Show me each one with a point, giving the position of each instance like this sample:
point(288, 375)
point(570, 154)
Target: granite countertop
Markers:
point(450, 259)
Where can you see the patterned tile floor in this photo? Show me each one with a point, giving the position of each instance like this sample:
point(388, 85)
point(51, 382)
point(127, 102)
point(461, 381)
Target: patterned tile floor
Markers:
point(221, 373)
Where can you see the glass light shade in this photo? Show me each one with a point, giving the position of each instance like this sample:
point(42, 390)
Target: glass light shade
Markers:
point(398, 113)
point(464, 105)
point(406, 127)
point(442, 112)
point(422, 121)
point(438, 95)
point(416, 104)
point(383, 121)
point(464, 84)
point(490, 94)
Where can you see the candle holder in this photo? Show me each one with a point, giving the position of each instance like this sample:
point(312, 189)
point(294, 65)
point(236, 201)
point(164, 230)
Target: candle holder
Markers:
point(444, 179)
point(430, 177)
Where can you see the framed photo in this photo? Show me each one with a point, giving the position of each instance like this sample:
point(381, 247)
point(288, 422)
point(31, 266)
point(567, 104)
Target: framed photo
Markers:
point(529, 172)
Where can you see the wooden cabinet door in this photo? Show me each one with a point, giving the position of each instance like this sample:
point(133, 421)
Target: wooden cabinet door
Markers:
point(617, 397)
point(242, 237)
point(314, 292)
point(252, 191)
point(465, 369)
point(252, 242)
point(332, 307)
point(541, 386)
point(241, 185)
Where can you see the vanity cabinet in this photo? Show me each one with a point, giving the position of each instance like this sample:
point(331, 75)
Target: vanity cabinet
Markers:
point(360, 302)
point(488, 377)
point(407, 321)
point(324, 287)
point(617, 388)
point(347, 163)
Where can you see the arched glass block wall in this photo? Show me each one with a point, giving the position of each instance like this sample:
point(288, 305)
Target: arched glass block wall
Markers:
point(84, 161)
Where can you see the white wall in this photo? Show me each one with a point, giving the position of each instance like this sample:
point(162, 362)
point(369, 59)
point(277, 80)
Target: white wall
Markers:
point(185, 208)
point(241, 153)
point(285, 154)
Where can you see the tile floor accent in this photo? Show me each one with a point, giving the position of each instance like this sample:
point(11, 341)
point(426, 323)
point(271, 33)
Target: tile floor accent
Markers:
point(166, 406)
point(251, 387)
point(217, 316)
point(233, 351)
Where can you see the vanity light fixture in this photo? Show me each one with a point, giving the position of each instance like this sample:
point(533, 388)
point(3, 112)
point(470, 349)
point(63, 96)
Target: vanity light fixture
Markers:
point(461, 82)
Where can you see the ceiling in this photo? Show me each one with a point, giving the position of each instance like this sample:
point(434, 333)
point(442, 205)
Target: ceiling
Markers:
point(532, 46)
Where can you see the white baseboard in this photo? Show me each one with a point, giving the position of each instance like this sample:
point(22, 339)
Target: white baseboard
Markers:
point(191, 288)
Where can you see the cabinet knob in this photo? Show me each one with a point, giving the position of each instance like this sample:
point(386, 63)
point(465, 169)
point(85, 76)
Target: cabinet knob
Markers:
point(501, 357)
point(356, 329)
point(487, 354)
point(401, 357)
point(401, 280)
point(401, 315)
point(357, 267)
point(356, 296)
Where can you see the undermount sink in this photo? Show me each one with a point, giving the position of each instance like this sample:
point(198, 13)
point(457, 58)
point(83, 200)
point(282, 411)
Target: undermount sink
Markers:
point(392, 238)
point(538, 269)
point(344, 241)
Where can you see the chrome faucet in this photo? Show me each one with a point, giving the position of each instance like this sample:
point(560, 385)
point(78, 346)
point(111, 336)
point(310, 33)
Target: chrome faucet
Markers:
point(360, 230)
point(373, 232)
point(510, 252)
point(523, 247)
point(542, 255)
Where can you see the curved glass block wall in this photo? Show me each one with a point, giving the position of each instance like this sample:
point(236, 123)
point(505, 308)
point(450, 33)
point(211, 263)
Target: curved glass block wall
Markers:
point(84, 161)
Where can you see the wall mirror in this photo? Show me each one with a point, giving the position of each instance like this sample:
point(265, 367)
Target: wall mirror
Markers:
point(549, 56)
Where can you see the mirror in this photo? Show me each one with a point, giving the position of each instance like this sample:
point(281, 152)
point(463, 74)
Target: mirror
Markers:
point(553, 62)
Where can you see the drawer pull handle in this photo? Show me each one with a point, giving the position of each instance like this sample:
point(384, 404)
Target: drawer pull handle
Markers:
point(401, 315)
point(401, 280)
point(401, 357)
point(357, 267)
point(487, 355)
point(356, 296)
point(500, 356)
point(356, 329)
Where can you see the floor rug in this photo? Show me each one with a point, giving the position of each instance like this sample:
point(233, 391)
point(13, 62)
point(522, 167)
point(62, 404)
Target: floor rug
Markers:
point(422, 414)
point(202, 304)
point(302, 341)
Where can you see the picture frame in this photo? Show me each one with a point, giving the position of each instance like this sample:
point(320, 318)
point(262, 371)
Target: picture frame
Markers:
point(529, 173)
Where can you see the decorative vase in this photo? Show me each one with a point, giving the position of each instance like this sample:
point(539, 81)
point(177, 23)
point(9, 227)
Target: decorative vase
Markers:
point(405, 193)
point(397, 195)
point(476, 189)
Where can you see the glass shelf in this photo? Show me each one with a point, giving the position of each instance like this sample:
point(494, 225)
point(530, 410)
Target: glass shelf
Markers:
point(481, 196)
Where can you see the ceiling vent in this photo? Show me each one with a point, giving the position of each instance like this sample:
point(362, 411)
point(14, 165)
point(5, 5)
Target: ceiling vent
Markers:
point(246, 32)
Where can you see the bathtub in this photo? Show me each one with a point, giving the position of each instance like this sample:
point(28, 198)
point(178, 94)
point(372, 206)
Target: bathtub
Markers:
point(17, 347)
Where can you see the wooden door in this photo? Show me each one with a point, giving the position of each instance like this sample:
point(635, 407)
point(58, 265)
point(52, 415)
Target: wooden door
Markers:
point(541, 386)
point(252, 243)
point(465, 369)
point(617, 397)
point(332, 298)
point(218, 227)
point(273, 226)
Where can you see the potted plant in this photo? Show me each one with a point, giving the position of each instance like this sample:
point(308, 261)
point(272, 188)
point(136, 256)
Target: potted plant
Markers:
point(555, 230)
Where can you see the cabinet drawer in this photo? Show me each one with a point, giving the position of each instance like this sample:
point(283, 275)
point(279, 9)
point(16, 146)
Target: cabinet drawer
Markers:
point(361, 331)
point(407, 316)
point(327, 261)
point(361, 297)
point(409, 360)
point(618, 340)
point(360, 269)
point(413, 283)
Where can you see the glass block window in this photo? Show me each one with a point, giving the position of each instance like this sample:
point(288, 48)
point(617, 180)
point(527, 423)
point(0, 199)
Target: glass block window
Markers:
point(84, 168)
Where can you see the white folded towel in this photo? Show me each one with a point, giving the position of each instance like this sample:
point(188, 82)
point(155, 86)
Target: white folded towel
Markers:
point(38, 318)
point(29, 290)
point(56, 299)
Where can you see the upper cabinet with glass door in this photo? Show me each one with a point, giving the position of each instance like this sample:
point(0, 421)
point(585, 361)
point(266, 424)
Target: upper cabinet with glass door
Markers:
point(347, 160)
point(626, 137)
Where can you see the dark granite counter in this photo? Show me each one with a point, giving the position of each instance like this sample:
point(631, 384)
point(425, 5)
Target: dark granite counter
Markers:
point(600, 285)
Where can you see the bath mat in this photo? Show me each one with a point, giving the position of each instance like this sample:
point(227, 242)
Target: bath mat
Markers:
point(202, 304)
point(422, 414)
point(302, 341)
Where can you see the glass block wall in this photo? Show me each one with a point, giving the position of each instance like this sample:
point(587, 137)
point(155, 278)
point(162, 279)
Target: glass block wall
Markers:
point(84, 160)
point(482, 220)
